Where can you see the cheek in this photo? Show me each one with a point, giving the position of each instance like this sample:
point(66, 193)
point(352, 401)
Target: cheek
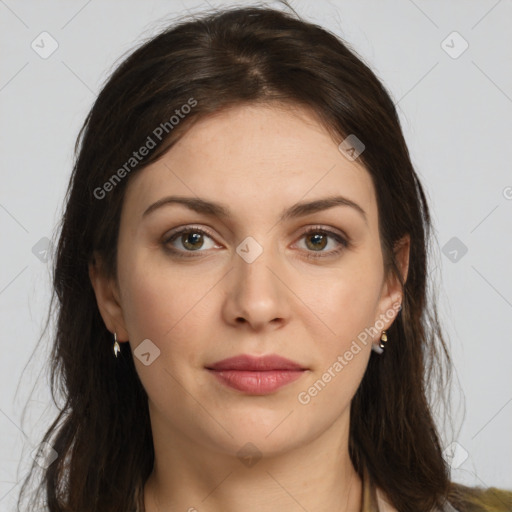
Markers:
point(143, 307)
point(164, 304)
point(347, 303)
point(347, 300)
point(347, 307)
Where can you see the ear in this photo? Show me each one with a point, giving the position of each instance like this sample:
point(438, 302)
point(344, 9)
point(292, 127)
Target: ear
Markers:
point(392, 294)
point(107, 298)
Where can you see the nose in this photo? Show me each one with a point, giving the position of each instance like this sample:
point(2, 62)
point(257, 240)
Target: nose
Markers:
point(256, 293)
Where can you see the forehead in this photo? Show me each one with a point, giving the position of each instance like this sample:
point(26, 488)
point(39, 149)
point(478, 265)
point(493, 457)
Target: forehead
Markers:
point(254, 156)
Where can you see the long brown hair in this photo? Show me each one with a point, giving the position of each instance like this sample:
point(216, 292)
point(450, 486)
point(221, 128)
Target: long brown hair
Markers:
point(221, 59)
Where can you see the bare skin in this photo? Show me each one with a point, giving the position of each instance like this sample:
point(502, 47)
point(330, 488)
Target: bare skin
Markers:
point(211, 304)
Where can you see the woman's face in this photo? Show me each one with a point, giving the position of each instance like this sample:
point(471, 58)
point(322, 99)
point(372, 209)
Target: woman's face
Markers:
point(251, 280)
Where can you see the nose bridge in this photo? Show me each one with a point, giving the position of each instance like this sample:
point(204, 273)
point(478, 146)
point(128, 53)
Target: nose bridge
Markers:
point(255, 292)
point(252, 265)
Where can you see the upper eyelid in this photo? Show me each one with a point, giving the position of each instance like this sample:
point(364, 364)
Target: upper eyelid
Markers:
point(186, 228)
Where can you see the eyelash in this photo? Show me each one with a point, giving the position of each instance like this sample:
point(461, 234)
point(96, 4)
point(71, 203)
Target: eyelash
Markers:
point(312, 255)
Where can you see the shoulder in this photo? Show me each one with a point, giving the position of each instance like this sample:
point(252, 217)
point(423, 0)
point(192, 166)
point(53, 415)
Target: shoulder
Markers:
point(478, 499)
point(463, 499)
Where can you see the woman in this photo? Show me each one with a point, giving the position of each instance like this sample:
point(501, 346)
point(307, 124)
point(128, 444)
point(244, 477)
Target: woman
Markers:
point(241, 282)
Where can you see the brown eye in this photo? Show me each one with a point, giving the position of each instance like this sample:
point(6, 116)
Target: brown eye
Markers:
point(318, 241)
point(189, 240)
point(192, 240)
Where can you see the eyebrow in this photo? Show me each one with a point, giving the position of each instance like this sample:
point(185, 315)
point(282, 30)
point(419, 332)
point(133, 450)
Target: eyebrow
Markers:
point(297, 210)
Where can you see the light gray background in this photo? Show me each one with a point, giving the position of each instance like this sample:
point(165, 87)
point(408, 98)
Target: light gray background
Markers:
point(456, 117)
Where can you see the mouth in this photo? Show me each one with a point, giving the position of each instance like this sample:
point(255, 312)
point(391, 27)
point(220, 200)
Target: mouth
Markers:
point(256, 375)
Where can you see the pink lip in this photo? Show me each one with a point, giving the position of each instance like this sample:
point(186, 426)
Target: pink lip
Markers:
point(254, 363)
point(256, 375)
